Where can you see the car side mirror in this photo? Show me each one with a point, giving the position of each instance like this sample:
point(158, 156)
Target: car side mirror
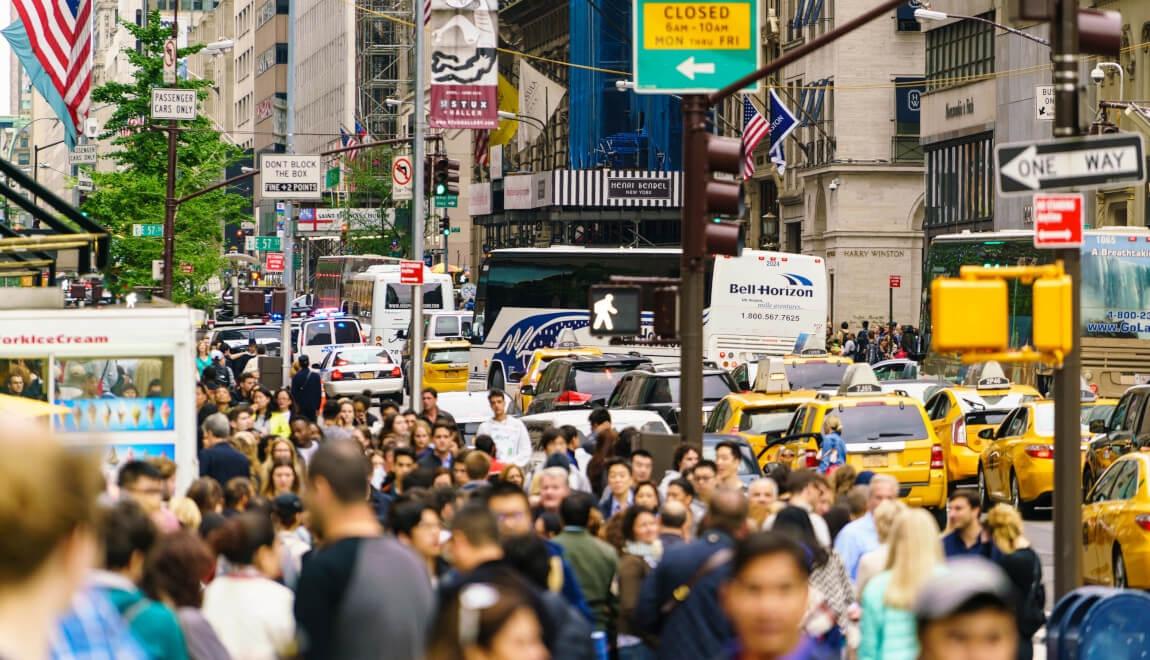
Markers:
point(986, 434)
point(401, 334)
point(527, 390)
point(516, 376)
point(1098, 426)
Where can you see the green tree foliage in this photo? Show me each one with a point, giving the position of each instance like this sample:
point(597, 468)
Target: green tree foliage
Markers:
point(368, 178)
point(135, 192)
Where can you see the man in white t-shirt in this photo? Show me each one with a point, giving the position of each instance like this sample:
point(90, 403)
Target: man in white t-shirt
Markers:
point(512, 442)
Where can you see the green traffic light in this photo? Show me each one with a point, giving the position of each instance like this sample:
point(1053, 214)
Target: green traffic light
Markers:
point(440, 189)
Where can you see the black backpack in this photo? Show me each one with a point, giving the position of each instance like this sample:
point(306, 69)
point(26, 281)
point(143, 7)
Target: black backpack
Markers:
point(861, 341)
point(1033, 609)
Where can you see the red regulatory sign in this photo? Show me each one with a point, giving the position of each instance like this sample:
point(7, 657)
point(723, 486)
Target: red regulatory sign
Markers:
point(1058, 220)
point(411, 272)
point(274, 262)
point(896, 281)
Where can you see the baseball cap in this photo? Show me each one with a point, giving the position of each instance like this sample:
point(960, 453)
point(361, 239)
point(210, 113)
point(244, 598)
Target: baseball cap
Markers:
point(217, 355)
point(958, 583)
point(287, 504)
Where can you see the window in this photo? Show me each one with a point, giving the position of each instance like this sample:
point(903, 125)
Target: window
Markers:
point(399, 297)
point(907, 102)
point(447, 326)
point(1125, 482)
point(871, 424)
point(960, 181)
point(959, 50)
point(767, 421)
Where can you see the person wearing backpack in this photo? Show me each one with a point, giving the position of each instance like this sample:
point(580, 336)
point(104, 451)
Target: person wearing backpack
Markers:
point(1012, 552)
point(862, 342)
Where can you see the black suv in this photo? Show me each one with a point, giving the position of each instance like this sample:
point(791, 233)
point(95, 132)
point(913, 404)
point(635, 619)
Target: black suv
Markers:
point(581, 381)
point(657, 389)
point(1127, 430)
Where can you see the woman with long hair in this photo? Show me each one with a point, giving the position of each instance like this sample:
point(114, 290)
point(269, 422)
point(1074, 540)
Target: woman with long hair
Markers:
point(874, 562)
point(420, 437)
point(282, 449)
point(279, 418)
point(203, 357)
point(261, 409)
point(484, 621)
point(513, 474)
point(639, 555)
point(597, 467)
point(685, 458)
point(173, 574)
point(281, 479)
point(246, 443)
point(249, 610)
point(1024, 568)
point(889, 630)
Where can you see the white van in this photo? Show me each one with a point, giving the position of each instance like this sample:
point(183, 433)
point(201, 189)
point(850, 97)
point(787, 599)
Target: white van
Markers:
point(319, 335)
point(383, 305)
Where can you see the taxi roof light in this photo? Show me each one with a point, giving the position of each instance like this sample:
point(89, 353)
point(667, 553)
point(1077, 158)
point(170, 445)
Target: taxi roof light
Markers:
point(987, 376)
point(771, 377)
point(566, 339)
point(859, 379)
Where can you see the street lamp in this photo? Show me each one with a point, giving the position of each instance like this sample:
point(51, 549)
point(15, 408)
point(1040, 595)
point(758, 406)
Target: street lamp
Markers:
point(932, 15)
point(515, 116)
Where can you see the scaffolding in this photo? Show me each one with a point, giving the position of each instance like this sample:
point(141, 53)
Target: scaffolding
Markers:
point(383, 54)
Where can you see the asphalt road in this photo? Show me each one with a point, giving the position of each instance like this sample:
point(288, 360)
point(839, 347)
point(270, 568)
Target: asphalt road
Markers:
point(1040, 533)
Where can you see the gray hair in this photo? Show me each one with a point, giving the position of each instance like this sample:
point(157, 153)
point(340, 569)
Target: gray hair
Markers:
point(554, 473)
point(884, 478)
point(772, 485)
point(217, 424)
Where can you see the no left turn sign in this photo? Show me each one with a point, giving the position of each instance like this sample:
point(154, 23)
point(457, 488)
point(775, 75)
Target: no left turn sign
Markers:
point(401, 175)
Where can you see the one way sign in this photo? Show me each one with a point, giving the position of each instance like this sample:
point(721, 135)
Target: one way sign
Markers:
point(1093, 162)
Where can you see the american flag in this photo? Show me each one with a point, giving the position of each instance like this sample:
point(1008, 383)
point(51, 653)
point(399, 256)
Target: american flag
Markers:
point(348, 140)
point(426, 12)
point(60, 33)
point(755, 128)
point(482, 141)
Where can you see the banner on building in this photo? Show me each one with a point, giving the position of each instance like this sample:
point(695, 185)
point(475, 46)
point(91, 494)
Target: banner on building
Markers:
point(464, 64)
point(479, 199)
point(527, 191)
point(539, 96)
point(508, 102)
point(908, 100)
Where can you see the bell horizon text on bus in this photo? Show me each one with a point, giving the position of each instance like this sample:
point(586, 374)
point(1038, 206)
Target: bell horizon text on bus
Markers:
point(755, 305)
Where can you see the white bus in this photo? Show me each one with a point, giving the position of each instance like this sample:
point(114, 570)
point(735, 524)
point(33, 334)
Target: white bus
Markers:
point(756, 305)
point(383, 305)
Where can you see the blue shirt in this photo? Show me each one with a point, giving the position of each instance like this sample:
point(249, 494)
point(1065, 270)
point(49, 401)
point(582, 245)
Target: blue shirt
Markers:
point(953, 546)
point(834, 451)
point(855, 540)
point(94, 630)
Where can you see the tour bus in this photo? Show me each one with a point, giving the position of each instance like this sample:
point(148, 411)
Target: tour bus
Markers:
point(383, 305)
point(333, 273)
point(1115, 303)
point(755, 305)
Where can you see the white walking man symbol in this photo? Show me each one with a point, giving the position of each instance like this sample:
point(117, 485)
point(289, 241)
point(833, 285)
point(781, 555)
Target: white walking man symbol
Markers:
point(604, 310)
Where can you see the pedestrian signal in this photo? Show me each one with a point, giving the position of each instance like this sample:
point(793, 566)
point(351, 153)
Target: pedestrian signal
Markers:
point(615, 311)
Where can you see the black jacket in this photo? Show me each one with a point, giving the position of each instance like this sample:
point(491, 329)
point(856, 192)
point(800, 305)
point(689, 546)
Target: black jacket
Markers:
point(307, 390)
point(223, 463)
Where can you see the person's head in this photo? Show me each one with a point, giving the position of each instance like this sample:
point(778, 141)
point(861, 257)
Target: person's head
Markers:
point(642, 465)
point(330, 413)
point(552, 441)
point(963, 510)
point(248, 382)
point(248, 539)
point(488, 622)
point(967, 611)
point(417, 525)
point(856, 500)
point(346, 417)
point(443, 478)
point(619, 480)
point(443, 439)
point(459, 467)
point(884, 516)
point(478, 466)
point(647, 494)
point(283, 477)
point(241, 418)
point(143, 482)
point(216, 428)
point(338, 476)
point(127, 536)
point(1005, 523)
point(420, 435)
point(283, 400)
point(575, 509)
point(222, 396)
point(498, 402)
point(673, 516)
point(261, 400)
point(281, 449)
point(176, 568)
point(640, 525)
point(883, 488)
point(805, 487)
point(15, 383)
point(843, 479)
point(287, 510)
point(832, 424)
point(387, 408)
point(727, 457)
point(485, 444)
point(553, 488)
point(304, 362)
point(915, 552)
point(403, 462)
point(511, 508)
point(704, 477)
point(762, 494)
point(513, 474)
point(680, 490)
point(207, 494)
point(237, 493)
point(571, 435)
point(765, 597)
point(727, 512)
point(360, 403)
point(396, 424)
point(430, 399)
point(474, 537)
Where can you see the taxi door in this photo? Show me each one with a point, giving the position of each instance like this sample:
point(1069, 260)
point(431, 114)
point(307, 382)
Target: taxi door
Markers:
point(997, 464)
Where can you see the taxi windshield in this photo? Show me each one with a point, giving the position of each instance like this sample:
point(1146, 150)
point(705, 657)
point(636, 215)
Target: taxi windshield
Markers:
point(880, 422)
point(766, 420)
point(815, 375)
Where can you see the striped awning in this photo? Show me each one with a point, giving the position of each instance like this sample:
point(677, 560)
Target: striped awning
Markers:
point(641, 188)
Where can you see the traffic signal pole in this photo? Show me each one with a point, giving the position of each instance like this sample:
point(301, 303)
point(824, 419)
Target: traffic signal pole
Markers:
point(418, 220)
point(1067, 380)
point(693, 262)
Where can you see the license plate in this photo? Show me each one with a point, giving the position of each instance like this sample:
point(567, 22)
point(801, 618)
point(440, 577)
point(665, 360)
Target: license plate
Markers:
point(874, 460)
point(366, 375)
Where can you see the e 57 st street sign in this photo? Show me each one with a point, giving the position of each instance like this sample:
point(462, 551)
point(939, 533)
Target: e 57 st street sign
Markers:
point(1091, 162)
point(694, 46)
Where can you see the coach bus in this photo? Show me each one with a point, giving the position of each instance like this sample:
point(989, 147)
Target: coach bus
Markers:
point(755, 305)
point(1115, 301)
point(333, 273)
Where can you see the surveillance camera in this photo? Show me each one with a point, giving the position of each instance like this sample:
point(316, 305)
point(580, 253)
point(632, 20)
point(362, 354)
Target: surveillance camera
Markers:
point(1097, 75)
point(834, 185)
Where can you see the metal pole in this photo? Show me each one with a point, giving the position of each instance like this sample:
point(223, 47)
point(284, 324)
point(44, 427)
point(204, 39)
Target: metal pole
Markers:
point(289, 220)
point(446, 234)
point(890, 305)
point(1067, 384)
point(170, 195)
point(692, 267)
point(418, 221)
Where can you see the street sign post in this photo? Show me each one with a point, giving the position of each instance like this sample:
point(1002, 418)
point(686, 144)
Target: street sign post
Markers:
point(150, 231)
point(264, 243)
point(291, 176)
point(895, 281)
point(170, 60)
point(274, 262)
point(83, 154)
point(693, 46)
point(1087, 162)
point(1044, 102)
point(615, 311)
point(401, 174)
point(411, 272)
point(446, 201)
point(1058, 220)
point(174, 104)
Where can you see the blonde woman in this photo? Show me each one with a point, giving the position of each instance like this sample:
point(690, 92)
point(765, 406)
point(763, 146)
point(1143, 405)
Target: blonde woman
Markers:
point(889, 630)
point(282, 449)
point(873, 562)
point(246, 443)
point(833, 449)
point(1021, 563)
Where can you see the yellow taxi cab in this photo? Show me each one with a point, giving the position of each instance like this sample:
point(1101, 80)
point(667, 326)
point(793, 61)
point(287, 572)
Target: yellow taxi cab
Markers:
point(959, 414)
point(816, 370)
point(885, 433)
point(763, 415)
point(445, 364)
point(1017, 465)
point(538, 361)
point(1116, 525)
point(1094, 408)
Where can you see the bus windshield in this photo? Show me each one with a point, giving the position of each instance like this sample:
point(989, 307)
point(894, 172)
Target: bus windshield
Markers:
point(399, 296)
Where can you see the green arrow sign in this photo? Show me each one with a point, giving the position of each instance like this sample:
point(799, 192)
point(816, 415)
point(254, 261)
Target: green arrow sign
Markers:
point(446, 201)
point(267, 243)
point(694, 46)
point(148, 230)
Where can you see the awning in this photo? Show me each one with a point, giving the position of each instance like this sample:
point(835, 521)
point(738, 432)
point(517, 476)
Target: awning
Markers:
point(18, 406)
point(438, 269)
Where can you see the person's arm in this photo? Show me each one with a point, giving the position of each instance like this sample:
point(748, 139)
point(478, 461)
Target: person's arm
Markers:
point(315, 607)
point(871, 633)
point(647, 616)
point(630, 584)
point(523, 446)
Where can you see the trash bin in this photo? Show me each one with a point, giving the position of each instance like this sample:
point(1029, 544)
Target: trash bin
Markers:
point(1099, 623)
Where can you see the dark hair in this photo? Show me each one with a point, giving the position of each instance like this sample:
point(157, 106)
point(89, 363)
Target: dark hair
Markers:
point(451, 428)
point(575, 509)
point(421, 477)
point(569, 432)
point(796, 523)
point(125, 530)
point(477, 465)
point(236, 411)
point(241, 536)
point(604, 449)
point(681, 452)
point(477, 524)
point(507, 489)
point(641, 452)
point(237, 489)
point(768, 544)
point(684, 484)
point(549, 435)
point(176, 567)
point(970, 497)
point(331, 409)
point(616, 461)
point(707, 463)
point(629, 518)
point(800, 480)
point(485, 444)
point(133, 471)
point(206, 493)
point(443, 497)
point(551, 522)
point(246, 375)
point(432, 391)
point(528, 555)
point(495, 393)
point(652, 486)
point(343, 466)
point(598, 416)
point(362, 399)
point(403, 451)
point(448, 639)
point(628, 437)
point(731, 446)
point(387, 404)
point(304, 361)
point(406, 515)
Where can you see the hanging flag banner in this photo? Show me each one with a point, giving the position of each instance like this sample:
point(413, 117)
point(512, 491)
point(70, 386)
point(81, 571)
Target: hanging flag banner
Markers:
point(783, 121)
point(539, 97)
point(464, 64)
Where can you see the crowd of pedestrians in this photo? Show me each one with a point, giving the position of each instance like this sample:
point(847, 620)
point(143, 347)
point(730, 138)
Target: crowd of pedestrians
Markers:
point(330, 532)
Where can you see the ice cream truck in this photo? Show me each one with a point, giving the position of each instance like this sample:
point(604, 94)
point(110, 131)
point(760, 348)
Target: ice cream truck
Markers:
point(126, 378)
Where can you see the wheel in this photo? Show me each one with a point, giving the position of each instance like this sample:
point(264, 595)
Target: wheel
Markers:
point(1026, 509)
point(983, 494)
point(1118, 566)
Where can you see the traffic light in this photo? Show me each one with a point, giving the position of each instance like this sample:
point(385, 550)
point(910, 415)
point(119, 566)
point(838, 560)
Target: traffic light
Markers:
point(428, 175)
point(1053, 300)
point(445, 226)
point(721, 196)
point(956, 302)
point(446, 176)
